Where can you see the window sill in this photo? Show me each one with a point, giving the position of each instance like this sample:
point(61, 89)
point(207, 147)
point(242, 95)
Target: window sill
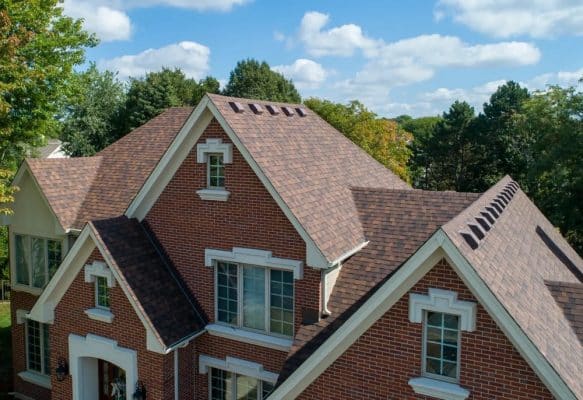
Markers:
point(19, 287)
point(99, 314)
point(213, 194)
point(244, 336)
point(438, 389)
point(36, 378)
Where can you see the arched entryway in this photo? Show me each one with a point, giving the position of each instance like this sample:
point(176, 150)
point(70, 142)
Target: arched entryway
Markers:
point(101, 370)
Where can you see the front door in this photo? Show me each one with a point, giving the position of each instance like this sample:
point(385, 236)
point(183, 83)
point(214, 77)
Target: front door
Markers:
point(112, 382)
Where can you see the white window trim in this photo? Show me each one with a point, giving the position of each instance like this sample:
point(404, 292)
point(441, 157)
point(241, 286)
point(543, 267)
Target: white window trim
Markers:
point(99, 268)
point(250, 337)
point(36, 378)
point(97, 305)
point(30, 288)
point(424, 356)
point(438, 389)
point(100, 314)
point(262, 258)
point(237, 366)
point(208, 171)
point(213, 194)
point(214, 146)
point(443, 301)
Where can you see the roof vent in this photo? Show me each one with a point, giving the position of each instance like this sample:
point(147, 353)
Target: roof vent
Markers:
point(497, 207)
point(476, 231)
point(502, 198)
point(560, 254)
point(272, 109)
point(506, 196)
point(236, 106)
point(483, 223)
point(500, 203)
point(488, 216)
point(492, 211)
point(301, 112)
point(288, 111)
point(256, 108)
point(470, 240)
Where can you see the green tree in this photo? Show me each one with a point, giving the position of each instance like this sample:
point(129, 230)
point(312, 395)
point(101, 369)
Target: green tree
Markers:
point(554, 118)
point(422, 130)
point(206, 85)
point(502, 147)
point(39, 47)
point(90, 120)
point(383, 139)
point(450, 151)
point(255, 80)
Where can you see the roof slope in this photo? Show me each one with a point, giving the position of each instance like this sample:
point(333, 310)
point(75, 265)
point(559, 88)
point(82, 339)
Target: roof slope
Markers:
point(397, 223)
point(85, 188)
point(515, 262)
point(151, 279)
point(315, 177)
point(569, 297)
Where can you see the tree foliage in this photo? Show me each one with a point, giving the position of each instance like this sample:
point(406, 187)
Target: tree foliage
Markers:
point(422, 130)
point(383, 139)
point(255, 80)
point(90, 122)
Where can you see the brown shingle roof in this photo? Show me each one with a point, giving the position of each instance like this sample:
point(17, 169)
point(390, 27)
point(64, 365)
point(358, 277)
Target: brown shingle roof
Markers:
point(397, 223)
point(514, 262)
point(151, 279)
point(102, 186)
point(569, 296)
point(312, 166)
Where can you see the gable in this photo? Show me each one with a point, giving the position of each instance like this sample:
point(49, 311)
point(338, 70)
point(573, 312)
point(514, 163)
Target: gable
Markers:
point(389, 354)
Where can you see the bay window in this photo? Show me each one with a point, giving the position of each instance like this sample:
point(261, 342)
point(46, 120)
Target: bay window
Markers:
point(36, 260)
point(255, 298)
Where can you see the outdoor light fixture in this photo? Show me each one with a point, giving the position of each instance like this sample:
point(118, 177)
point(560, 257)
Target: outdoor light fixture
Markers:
point(62, 369)
point(140, 393)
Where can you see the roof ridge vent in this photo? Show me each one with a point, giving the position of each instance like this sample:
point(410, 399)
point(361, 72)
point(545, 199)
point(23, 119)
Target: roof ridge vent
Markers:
point(301, 112)
point(236, 106)
point(470, 239)
point(272, 109)
point(288, 111)
point(488, 216)
point(256, 108)
point(477, 231)
point(483, 223)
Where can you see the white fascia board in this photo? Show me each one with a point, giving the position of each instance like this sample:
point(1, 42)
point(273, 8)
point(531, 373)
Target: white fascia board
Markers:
point(153, 340)
point(44, 308)
point(236, 365)
point(437, 247)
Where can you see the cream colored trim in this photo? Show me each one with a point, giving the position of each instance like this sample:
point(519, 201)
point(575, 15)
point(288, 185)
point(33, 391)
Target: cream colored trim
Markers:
point(99, 268)
point(177, 152)
point(255, 338)
point(213, 194)
point(36, 378)
point(99, 314)
point(214, 146)
point(438, 389)
point(236, 365)
point(443, 301)
point(21, 316)
point(437, 247)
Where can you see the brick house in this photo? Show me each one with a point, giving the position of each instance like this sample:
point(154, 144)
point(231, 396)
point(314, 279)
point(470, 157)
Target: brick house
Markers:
point(247, 250)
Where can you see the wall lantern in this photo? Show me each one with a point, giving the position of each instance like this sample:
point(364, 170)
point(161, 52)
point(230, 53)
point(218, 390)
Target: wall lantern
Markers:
point(140, 393)
point(62, 369)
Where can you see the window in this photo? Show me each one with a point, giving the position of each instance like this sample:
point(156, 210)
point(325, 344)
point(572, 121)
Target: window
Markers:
point(215, 171)
point(37, 347)
point(36, 259)
point(225, 385)
point(101, 292)
point(441, 345)
point(255, 298)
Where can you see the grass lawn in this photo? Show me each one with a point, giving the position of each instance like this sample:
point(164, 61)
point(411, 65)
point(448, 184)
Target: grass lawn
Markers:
point(5, 350)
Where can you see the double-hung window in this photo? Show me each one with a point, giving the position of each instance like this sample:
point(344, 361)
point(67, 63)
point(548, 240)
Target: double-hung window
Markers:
point(215, 171)
point(101, 292)
point(441, 346)
point(255, 298)
point(225, 385)
point(36, 259)
point(37, 347)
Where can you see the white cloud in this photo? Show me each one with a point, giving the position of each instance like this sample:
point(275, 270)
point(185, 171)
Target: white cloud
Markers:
point(338, 41)
point(306, 74)
point(563, 78)
point(506, 18)
point(110, 21)
point(191, 57)
point(107, 23)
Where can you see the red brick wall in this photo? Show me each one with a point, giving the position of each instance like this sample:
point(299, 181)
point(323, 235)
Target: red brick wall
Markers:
point(155, 370)
point(23, 301)
point(186, 225)
point(381, 362)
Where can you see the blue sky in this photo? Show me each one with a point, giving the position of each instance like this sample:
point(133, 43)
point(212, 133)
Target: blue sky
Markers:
point(398, 57)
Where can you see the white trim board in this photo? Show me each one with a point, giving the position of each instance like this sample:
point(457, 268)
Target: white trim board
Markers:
point(44, 309)
point(437, 247)
point(236, 365)
point(178, 151)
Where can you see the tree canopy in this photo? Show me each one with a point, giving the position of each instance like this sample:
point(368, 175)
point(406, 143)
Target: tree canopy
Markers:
point(255, 80)
point(382, 138)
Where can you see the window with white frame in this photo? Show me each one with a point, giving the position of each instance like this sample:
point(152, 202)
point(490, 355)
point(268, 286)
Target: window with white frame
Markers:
point(36, 259)
point(226, 385)
point(102, 299)
point(37, 347)
point(255, 298)
point(441, 345)
point(215, 171)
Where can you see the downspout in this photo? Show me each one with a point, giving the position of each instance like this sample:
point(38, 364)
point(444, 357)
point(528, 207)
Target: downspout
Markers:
point(176, 391)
